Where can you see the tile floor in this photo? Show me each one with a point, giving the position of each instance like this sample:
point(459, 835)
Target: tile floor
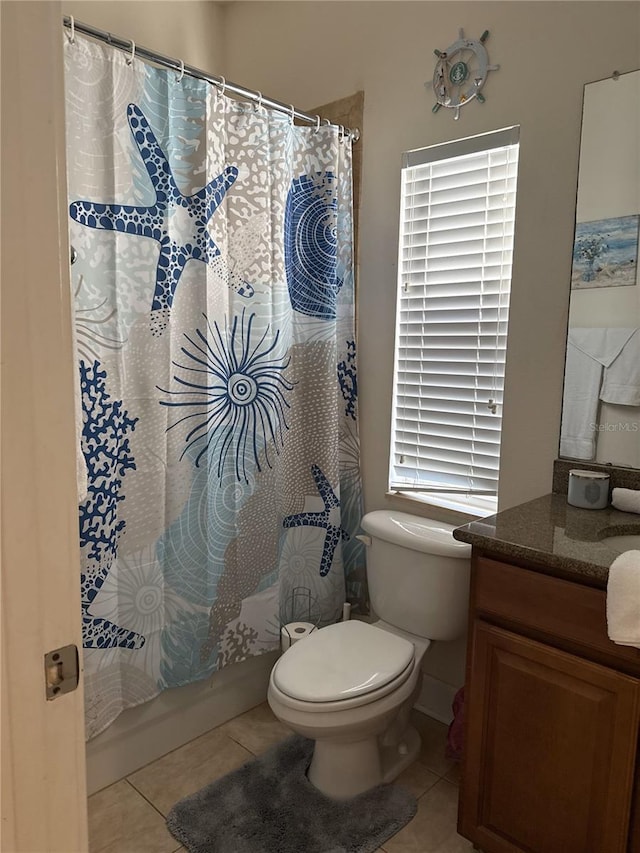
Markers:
point(128, 816)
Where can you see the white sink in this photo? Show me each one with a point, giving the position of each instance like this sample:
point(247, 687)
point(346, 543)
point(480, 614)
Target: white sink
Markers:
point(628, 542)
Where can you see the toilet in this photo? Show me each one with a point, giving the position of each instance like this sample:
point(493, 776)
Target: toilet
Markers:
point(351, 686)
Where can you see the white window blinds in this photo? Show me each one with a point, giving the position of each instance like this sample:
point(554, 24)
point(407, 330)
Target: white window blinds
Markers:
point(454, 276)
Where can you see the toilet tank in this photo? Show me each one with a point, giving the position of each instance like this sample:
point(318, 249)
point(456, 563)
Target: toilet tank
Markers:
point(418, 574)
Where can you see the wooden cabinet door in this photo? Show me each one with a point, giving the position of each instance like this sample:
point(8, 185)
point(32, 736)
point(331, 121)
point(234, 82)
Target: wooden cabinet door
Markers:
point(550, 749)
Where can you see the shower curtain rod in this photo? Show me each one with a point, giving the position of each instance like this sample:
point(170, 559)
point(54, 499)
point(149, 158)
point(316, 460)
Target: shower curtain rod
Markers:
point(182, 68)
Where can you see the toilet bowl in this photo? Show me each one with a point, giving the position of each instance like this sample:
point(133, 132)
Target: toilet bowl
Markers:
point(351, 686)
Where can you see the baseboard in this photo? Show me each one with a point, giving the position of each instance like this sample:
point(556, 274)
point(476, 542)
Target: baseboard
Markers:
point(143, 734)
point(435, 699)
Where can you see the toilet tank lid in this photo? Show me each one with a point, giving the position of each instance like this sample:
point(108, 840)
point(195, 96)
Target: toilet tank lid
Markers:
point(418, 534)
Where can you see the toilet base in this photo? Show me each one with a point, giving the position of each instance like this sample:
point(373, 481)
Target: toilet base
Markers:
point(343, 769)
point(397, 758)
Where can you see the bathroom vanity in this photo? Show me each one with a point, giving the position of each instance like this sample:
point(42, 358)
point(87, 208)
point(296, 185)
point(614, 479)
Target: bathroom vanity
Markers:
point(552, 706)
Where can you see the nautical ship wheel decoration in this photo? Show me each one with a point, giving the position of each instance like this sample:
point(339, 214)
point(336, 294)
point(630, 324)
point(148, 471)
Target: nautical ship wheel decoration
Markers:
point(460, 73)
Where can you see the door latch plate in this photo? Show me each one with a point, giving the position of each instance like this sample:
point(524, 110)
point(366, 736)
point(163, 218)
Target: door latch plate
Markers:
point(61, 671)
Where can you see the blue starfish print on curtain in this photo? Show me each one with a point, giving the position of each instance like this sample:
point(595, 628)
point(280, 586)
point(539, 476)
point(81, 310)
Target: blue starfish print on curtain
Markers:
point(178, 222)
point(327, 519)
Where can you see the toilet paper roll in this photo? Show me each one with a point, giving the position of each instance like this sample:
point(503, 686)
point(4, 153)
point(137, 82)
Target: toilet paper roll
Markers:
point(294, 631)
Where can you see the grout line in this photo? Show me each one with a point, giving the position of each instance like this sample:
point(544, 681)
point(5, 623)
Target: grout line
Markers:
point(431, 787)
point(162, 815)
point(159, 757)
point(235, 740)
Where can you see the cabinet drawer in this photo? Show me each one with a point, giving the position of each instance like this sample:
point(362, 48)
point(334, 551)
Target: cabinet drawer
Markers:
point(562, 610)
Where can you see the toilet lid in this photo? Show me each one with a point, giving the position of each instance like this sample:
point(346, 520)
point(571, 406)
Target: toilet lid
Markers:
point(342, 661)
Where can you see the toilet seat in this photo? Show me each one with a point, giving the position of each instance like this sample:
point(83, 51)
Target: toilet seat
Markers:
point(324, 708)
point(344, 665)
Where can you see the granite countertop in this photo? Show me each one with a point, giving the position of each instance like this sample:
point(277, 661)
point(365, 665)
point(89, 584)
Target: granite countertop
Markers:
point(560, 538)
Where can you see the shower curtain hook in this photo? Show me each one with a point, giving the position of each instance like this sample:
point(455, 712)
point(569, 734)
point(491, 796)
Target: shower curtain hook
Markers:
point(293, 113)
point(222, 86)
point(133, 53)
point(341, 133)
point(317, 123)
point(179, 79)
point(259, 105)
point(72, 36)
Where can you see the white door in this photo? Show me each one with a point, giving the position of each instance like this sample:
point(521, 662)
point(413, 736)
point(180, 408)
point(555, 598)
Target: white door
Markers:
point(43, 751)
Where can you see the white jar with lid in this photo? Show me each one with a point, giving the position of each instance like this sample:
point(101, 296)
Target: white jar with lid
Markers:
point(588, 489)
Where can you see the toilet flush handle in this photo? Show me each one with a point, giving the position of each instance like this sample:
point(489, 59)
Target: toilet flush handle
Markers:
point(365, 539)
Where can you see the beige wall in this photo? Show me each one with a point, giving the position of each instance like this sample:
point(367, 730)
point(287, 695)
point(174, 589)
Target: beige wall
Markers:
point(185, 29)
point(312, 52)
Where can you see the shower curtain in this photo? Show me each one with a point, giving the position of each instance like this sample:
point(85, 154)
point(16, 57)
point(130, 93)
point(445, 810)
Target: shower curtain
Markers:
point(213, 296)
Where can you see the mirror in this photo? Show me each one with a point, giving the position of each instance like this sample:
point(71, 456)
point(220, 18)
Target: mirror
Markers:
point(601, 401)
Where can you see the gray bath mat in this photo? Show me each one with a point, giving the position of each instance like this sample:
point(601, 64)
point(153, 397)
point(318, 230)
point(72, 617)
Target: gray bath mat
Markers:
point(269, 806)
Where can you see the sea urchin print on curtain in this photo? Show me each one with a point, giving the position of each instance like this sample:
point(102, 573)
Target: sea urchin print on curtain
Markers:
point(213, 298)
point(238, 404)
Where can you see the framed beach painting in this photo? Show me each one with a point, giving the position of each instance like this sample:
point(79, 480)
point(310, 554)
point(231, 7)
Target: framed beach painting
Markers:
point(605, 253)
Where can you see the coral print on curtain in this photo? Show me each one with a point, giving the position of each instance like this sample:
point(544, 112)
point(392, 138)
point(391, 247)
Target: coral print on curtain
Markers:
point(216, 347)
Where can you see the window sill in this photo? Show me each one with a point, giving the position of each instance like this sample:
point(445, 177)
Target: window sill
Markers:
point(465, 507)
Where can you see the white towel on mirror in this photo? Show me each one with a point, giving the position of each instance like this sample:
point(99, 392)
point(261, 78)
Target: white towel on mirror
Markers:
point(623, 600)
point(590, 351)
point(603, 344)
point(583, 376)
point(621, 383)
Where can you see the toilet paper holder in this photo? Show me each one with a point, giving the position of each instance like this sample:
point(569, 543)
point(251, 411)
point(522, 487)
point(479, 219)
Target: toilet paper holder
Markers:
point(300, 618)
point(295, 631)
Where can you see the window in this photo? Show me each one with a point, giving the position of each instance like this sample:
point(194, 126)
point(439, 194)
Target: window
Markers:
point(454, 277)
